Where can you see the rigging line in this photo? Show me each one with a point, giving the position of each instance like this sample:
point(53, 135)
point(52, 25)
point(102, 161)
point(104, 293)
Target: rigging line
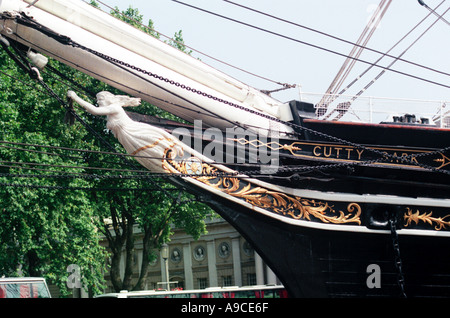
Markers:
point(225, 102)
point(149, 175)
point(348, 64)
point(67, 41)
point(381, 57)
point(65, 174)
point(86, 125)
point(393, 62)
point(281, 155)
point(68, 167)
point(87, 176)
point(206, 112)
point(335, 37)
point(195, 50)
point(105, 57)
point(51, 153)
point(40, 152)
point(258, 173)
point(253, 173)
point(36, 186)
point(310, 44)
point(96, 176)
point(78, 87)
point(378, 76)
point(434, 12)
point(283, 168)
point(22, 82)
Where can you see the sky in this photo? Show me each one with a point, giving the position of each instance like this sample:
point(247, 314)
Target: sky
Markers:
point(312, 69)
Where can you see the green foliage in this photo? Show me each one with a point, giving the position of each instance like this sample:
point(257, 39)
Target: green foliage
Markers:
point(42, 230)
point(46, 224)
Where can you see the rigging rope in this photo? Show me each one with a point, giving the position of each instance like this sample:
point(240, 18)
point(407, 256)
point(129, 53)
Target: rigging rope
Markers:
point(383, 156)
point(348, 104)
point(285, 85)
point(356, 52)
point(383, 54)
point(434, 12)
point(312, 45)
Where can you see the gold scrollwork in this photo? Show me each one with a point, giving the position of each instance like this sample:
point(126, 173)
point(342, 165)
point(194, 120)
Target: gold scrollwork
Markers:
point(441, 223)
point(444, 161)
point(278, 202)
point(271, 145)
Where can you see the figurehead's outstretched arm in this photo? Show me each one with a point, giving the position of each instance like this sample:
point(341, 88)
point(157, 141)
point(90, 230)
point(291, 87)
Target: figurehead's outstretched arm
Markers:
point(99, 111)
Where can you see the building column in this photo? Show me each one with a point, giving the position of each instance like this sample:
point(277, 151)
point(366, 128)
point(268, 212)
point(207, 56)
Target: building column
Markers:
point(259, 267)
point(236, 261)
point(164, 279)
point(211, 252)
point(188, 277)
point(271, 277)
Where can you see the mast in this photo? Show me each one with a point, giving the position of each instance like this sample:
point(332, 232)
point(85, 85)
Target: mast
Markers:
point(333, 90)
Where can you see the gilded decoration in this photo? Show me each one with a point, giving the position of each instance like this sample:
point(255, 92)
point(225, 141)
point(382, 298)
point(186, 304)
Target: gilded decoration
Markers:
point(440, 222)
point(273, 145)
point(413, 158)
point(274, 201)
point(444, 161)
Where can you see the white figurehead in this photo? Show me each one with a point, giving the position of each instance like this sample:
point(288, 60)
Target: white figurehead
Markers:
point(137, 138)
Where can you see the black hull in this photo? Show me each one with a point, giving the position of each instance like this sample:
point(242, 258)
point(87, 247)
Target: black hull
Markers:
point(365, 158)
point(315, 263)
point(323, 226)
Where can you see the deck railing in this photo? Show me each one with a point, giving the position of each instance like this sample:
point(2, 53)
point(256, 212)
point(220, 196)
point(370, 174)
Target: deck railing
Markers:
point(379, 109)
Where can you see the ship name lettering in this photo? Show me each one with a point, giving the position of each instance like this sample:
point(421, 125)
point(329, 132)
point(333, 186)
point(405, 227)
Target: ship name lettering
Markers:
point(411, 159)
point(337, 152)
point(356, 154)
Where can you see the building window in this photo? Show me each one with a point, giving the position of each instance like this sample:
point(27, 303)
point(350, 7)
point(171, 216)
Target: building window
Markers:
point(227, 281)
point(251, 279)
point(202, 283)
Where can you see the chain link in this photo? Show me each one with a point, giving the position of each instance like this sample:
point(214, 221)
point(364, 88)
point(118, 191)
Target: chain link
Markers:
point(383, 155)
point(397, 257)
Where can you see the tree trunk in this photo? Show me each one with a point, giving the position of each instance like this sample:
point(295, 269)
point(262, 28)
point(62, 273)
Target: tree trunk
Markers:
point(114, 272)
point(146, 249)
point(129, 255)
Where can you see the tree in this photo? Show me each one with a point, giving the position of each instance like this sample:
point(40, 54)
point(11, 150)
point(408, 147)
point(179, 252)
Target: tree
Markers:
point(152, 211)
point(54, 206)
point(43, 228)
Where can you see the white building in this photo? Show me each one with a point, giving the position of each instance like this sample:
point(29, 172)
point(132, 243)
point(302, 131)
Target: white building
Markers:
point(219, 258)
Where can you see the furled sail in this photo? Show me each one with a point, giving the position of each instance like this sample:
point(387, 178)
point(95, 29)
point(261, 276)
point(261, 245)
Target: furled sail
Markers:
point(178, 82)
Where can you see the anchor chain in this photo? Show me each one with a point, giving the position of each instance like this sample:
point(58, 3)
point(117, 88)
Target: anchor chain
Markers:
point(397, 258)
